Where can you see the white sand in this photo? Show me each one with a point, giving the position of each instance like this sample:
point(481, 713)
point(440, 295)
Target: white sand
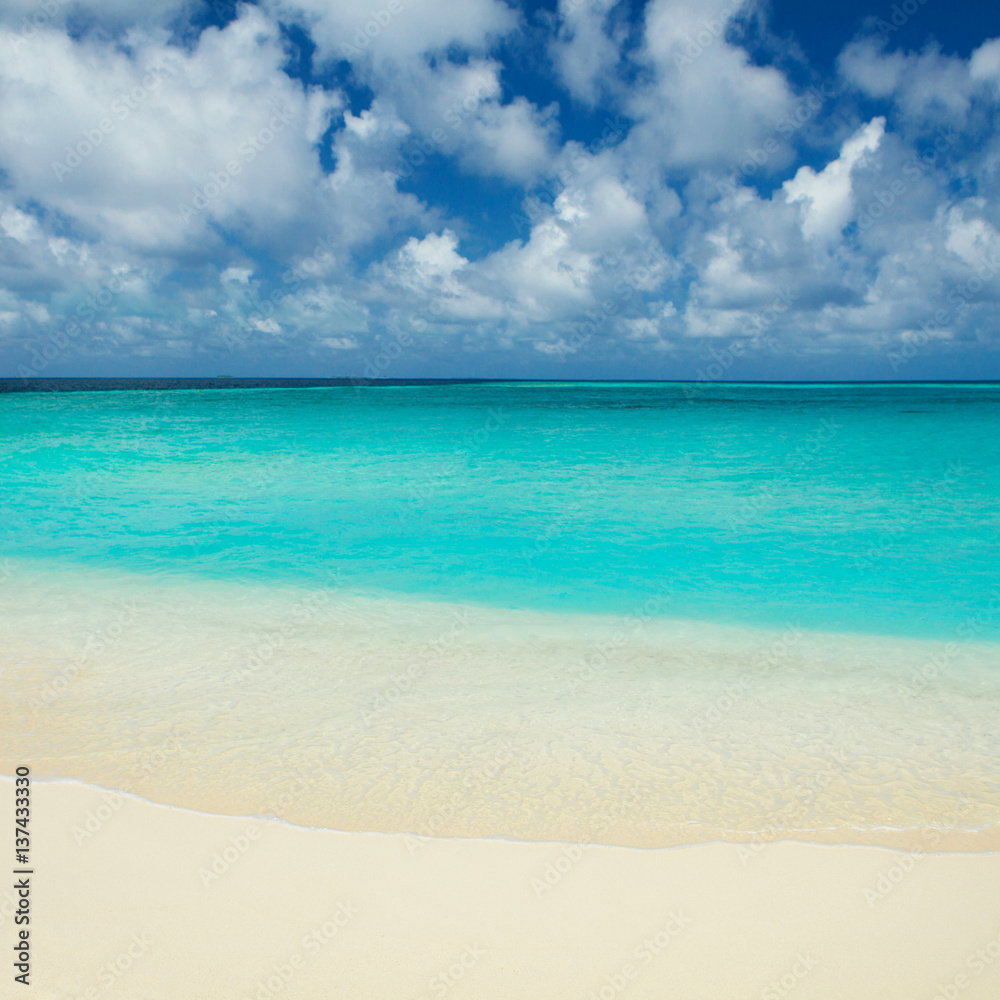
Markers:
point(731, 920)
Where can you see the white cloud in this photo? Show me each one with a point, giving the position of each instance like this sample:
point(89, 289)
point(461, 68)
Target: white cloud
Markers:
point(631, 249)
point(970, 236)
point(456, 110)
point(828, 194)
point(707, 100)
point(429, 265)
point(984, 64)
point(119, 142)
point(20, 226)
point(565, 266)
point(926, 85)
point(584, 54)
point(386, 34)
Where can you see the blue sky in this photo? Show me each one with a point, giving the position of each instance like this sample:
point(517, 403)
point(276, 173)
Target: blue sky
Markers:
point(671, 189)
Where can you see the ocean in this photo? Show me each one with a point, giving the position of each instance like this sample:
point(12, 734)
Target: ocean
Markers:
point(737, 608)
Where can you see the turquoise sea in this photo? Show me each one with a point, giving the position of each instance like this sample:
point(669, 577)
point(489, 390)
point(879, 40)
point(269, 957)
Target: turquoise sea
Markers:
point(868, 508)
point(857, 523)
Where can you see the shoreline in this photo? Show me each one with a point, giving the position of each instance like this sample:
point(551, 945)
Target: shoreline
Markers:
point(229, 908)
point(911, 840)
point(461, 722)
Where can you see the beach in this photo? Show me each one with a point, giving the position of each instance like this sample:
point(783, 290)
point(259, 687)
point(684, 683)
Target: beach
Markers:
point(245, 833)
point(134, 899)
point(324, 695)
point(499, 500)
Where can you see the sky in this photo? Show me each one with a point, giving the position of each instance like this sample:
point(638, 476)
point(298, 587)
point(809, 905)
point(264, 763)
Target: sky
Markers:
point(587, 189)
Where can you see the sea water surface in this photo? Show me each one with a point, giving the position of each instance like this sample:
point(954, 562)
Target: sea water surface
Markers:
point(684, 596)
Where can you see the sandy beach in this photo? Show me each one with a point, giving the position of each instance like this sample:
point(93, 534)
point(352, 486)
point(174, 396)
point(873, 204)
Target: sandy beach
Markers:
point(139, 901)
point(644, 725)
point(349, 713)
point(501, 500)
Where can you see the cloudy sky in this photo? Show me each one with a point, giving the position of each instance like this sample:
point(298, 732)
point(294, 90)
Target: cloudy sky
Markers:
point(672, 189)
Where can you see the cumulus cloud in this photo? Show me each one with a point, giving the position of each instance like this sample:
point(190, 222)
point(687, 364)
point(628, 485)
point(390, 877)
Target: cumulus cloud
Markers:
point(178, 193)
point(151, 148)
point(926, 85)
point(827, 195)
point(457, 110)
point(382, 36)
point(985, 62)
point(583, 50)
point(706, 97)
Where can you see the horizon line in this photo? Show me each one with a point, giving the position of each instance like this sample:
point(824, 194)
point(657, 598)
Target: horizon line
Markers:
point(8, 383)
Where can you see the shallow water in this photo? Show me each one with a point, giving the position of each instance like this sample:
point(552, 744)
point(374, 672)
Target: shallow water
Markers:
point(629, 614)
